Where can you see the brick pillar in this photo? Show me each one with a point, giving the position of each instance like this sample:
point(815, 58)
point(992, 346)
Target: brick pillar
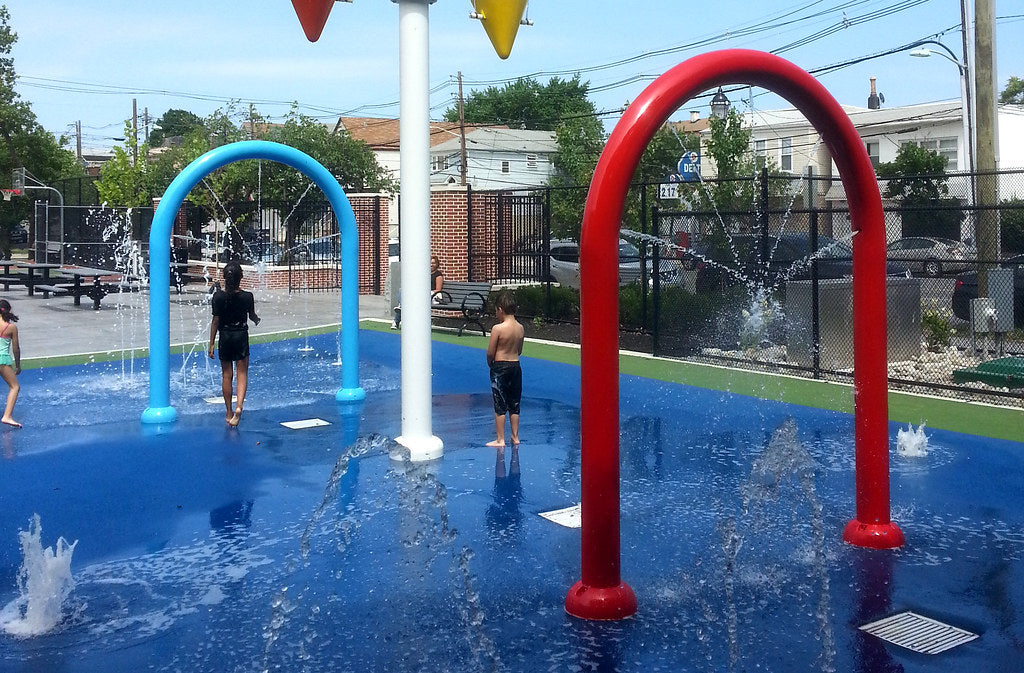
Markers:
point(449, 233)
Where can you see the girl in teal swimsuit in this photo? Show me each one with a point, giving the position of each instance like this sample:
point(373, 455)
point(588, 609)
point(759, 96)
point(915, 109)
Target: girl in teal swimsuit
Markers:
point(10, 360)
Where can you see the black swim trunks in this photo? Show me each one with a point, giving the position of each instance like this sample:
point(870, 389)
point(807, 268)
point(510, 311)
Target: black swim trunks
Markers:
point(234, 343)
point(506, 387)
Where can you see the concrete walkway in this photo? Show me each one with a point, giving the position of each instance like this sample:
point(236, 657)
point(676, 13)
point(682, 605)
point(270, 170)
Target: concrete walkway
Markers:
point(53, 327)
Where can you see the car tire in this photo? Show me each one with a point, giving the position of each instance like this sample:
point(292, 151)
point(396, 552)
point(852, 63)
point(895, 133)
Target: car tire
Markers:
point(932, 268)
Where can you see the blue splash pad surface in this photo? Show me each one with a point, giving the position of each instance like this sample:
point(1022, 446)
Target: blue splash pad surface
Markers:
point(209, 549)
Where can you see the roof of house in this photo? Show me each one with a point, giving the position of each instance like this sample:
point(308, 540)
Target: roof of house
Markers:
point(502, 139)
point(942, 111)
point(383, 134)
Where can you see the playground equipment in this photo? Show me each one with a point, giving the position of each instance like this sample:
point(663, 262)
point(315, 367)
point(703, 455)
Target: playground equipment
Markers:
point(160, 409)
point(601, 593)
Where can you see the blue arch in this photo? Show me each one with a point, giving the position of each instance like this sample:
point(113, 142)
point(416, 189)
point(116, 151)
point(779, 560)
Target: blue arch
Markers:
point(160, 409)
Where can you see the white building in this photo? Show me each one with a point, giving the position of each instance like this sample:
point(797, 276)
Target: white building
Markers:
point(496, 158)
point(787, 139)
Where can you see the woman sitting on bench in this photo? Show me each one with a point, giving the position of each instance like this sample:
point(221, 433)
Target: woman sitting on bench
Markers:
point(436, 283)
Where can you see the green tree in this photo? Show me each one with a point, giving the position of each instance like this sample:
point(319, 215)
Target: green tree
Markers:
point(173, 123)
point(231, 192)
point(732, 190)
point(916, 178)
point(527, 104)
point(580, 142)
point(126, 180)
point(916, 174)
point(26, 144)
point(1014, 92)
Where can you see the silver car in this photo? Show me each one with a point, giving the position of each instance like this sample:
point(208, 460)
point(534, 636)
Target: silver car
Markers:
point(931, 255)
point(565, 264)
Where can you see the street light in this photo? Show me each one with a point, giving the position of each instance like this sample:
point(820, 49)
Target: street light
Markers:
point(965, 101)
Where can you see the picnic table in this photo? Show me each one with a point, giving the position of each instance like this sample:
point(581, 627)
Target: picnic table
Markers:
point(95, 290)
point(31, 280)
point(8, 278)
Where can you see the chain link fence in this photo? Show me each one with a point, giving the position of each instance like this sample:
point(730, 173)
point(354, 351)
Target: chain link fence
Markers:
point(768, 285)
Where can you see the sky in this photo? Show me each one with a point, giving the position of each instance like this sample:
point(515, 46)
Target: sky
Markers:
point(86, 60)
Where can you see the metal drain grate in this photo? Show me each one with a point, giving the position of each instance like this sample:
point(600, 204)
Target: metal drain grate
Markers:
point(917, 633)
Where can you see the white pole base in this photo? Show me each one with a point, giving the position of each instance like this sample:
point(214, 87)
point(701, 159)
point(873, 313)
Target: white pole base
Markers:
point(422, 448)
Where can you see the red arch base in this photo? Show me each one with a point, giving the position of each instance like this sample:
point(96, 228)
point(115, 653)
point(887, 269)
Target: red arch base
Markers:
point(601, 603)
point(601, 594)
point(874, 535)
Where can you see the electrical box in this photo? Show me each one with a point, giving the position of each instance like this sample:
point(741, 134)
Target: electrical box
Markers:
point(983, 314)
point(1000, 289)
point(835, 321)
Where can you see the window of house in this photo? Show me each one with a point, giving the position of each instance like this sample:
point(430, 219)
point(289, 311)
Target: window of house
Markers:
point(531, 162)
point(439, 163)
point(944, 147)
point(760, 153)
point(505, 167)
point(786, 154)
point(872, 148)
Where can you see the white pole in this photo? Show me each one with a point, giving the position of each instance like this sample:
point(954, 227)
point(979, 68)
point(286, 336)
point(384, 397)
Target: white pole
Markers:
point(414, 138)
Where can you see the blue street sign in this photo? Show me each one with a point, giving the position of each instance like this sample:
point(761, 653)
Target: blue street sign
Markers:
point(689, 167)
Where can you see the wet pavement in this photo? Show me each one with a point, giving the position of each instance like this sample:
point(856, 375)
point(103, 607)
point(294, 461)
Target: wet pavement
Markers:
point(54, 326)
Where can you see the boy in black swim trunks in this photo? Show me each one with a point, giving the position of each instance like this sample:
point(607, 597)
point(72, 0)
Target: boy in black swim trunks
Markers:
point(503, 351)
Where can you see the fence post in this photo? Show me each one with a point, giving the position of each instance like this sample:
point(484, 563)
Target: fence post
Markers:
point(656, 296)
point(469, 232)
point(642, 248)
point(812, 206)
point(545, 261)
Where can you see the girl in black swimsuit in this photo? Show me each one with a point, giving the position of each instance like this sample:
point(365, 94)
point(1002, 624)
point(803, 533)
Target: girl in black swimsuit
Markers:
point(233, 307)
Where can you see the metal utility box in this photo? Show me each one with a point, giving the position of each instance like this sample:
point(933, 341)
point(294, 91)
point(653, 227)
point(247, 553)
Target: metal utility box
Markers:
point(395, 283)
point(835, 321)
point(1000, 290)
point(983, 315)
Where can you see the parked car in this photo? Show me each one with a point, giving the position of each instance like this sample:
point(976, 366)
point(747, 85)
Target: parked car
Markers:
point(743, 258)
point(931, 256)
point(318, 251)
point(393, 250)
point(19, 233)
point(565, 264)
point(262, 252)
point(965, 288)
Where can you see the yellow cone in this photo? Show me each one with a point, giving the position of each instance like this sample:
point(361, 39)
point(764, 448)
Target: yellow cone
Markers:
point(501, 22)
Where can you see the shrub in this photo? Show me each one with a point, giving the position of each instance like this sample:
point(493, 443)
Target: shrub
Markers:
point(1011, 221)
point(681, 312)
point(532, 302)
point(936, 328)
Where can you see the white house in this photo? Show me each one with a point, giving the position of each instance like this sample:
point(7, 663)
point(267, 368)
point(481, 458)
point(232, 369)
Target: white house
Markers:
point(496, 158)
point(787, 139)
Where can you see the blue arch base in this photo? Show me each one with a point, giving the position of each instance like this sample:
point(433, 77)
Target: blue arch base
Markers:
point(350, 395)
point(156, 415)
point(159, 410)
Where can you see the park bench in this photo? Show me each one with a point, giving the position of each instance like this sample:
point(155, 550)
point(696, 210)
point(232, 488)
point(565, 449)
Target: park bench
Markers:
point(468, 299)
point(55, 290)
point(8, 279)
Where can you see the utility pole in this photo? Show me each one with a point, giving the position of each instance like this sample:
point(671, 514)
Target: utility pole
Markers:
point(985, 119)
point(462, 136)
point(78, 140)
point(135, 132)
point(969, 142)
point(145, 124)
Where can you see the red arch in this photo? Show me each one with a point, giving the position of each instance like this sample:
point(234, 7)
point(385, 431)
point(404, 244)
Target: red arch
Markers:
point(601, 594)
